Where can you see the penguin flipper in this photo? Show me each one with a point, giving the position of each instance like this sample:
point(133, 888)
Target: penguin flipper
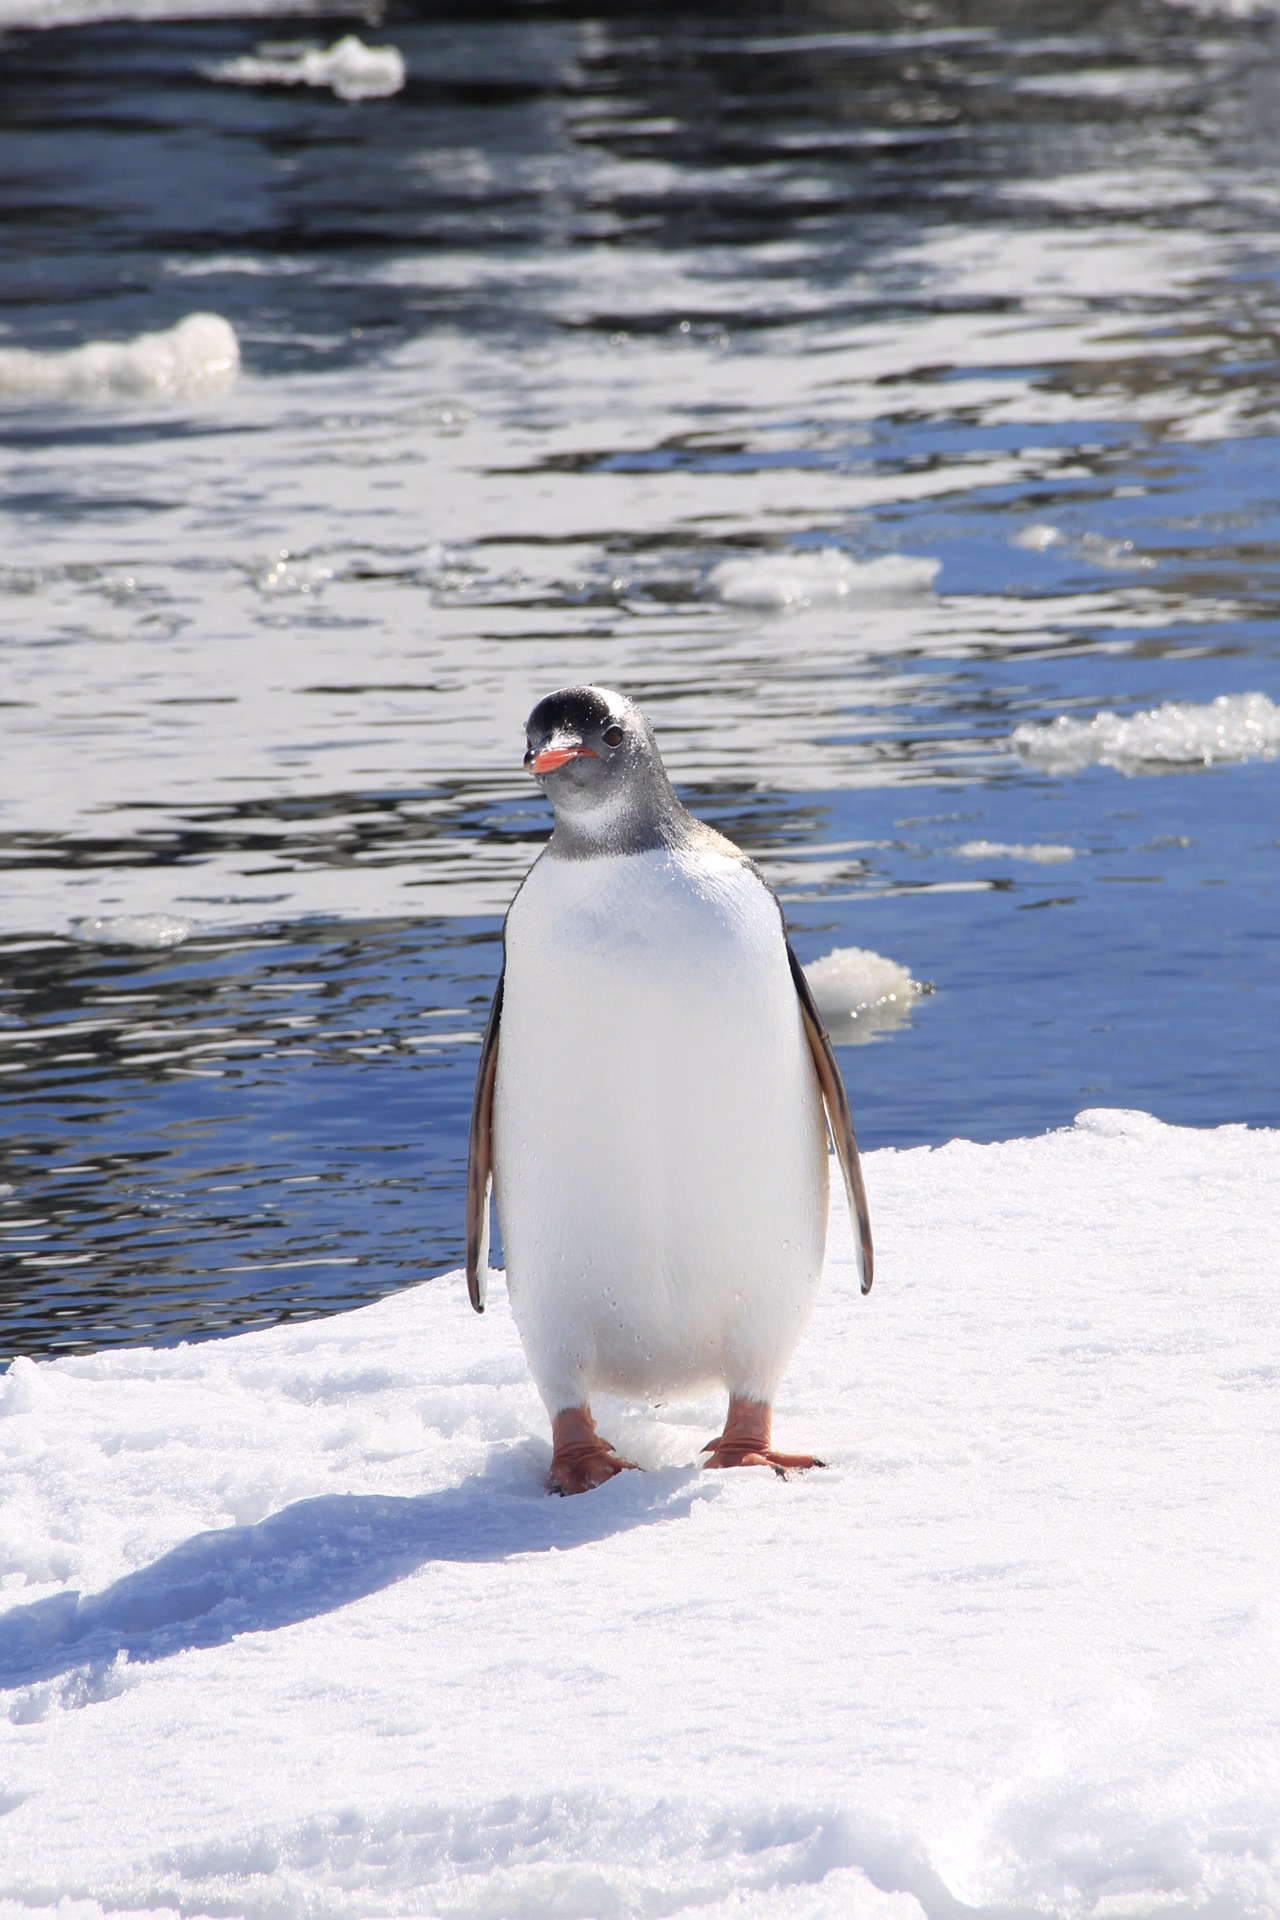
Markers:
point(480, 1156)
point(839, 1118)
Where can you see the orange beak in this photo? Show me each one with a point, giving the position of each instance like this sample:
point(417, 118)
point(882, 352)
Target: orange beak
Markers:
point(552, 757)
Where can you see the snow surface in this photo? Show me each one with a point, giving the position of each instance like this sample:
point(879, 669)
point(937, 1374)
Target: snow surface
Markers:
point(1235, 726)
point(353, 70)
point(292, 1628)
point(198, 358)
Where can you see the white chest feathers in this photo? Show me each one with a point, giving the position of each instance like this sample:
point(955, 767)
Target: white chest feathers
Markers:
point(659, 1143)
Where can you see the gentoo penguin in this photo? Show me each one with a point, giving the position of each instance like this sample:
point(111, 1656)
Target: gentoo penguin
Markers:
point(652, 1106)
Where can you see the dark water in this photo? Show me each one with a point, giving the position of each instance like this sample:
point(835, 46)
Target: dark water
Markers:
point(597, 303)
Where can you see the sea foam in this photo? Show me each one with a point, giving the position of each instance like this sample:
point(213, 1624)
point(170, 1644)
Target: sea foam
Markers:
point(197, 358)
point(1235, 726)
point(786, 582)
point(351, 69)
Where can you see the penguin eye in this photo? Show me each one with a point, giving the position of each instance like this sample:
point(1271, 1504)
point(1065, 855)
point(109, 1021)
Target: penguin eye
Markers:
point(613, 736)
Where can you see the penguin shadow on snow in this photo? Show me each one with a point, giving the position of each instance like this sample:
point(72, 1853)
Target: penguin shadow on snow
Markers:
point(314, 1557)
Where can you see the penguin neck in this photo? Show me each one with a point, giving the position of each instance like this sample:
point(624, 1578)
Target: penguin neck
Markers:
point(637, 819)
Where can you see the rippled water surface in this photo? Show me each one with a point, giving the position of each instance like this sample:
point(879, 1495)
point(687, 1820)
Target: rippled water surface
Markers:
point(858, 386)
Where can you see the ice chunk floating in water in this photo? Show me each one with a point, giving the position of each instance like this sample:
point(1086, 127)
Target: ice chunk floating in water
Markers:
point(352, 70)
point(141, 930)
point(1038, 538)
point(784, 582)
point(860, 993)
point(1235, 726)
point(200, 357)
point(1044, 855)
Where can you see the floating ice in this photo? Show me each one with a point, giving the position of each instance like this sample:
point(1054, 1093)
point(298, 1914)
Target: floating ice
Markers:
point(788, 581)
point(353, 70)
point(1133, 84)
point(860, 993)
point(1046, 854)
point(133, 930)
point(1038, 538)
point(200, 357)
point(1235, 726)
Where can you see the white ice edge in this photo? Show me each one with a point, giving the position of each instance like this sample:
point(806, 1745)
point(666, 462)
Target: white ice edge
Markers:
point(337, 1652)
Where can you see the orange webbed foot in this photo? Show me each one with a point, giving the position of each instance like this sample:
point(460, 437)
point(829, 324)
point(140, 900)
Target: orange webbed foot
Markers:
point(745, 1442)
point(580, 1459)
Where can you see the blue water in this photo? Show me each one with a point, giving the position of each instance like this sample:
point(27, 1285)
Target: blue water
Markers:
point(592, 305)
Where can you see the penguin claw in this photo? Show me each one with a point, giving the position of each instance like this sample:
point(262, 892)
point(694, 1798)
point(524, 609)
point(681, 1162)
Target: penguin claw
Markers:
point(782, 1463)
point(745, 1442)
point(578, 1469)
point(580, 1459)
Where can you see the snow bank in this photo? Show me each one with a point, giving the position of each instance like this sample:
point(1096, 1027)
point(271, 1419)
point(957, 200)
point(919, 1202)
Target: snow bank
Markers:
point(198, 358)
point(784, 582)
point(289, 1627)
point(1235, 726)
point(860, 993)
point(353, 70)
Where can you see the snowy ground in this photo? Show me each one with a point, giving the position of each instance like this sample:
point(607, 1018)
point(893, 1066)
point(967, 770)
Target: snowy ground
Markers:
point(291, 1628)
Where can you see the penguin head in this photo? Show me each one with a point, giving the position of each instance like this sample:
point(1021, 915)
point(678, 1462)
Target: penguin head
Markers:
point(593, 753)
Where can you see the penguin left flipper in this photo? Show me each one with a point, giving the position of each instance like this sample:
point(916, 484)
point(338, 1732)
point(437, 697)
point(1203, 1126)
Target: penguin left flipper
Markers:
point(480, 1156)
point(839, 1118)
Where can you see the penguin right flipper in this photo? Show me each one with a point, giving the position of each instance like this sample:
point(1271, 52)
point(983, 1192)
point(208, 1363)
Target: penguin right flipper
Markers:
point(480, 1156)
point(839, 1118)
